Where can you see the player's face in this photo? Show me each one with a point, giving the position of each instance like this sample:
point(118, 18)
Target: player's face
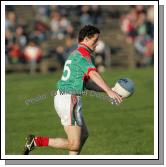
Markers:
point(92, 42)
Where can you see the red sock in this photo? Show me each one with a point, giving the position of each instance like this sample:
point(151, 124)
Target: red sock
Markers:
point(41, 141)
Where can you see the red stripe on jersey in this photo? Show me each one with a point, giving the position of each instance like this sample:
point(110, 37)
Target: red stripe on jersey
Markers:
point(91, 69)
point(83, 52)
point(86, 75)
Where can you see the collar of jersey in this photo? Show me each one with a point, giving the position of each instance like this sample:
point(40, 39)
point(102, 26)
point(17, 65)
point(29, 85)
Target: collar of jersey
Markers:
point(86, 47)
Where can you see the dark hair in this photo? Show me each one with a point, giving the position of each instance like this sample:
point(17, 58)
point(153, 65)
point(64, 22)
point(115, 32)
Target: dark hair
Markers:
point(87, 31)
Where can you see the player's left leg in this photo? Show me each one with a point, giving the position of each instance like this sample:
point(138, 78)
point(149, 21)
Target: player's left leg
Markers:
point(84, 134)
point(79, 119)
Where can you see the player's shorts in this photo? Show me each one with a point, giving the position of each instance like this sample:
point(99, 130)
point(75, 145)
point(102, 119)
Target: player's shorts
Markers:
point(68, 108)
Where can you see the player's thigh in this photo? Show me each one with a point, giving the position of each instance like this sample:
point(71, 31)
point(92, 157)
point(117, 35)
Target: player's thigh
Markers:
point(62, 104)
point(80, 118)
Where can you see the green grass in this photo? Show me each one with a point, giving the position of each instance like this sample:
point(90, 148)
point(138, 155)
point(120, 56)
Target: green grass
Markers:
point(114, 130)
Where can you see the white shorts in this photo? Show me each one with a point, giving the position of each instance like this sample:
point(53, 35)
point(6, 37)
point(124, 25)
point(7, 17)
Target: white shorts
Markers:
point(68, 108)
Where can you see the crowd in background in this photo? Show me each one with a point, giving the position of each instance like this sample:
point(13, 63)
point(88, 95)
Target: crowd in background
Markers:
point(50, 23)
point(138, 25)
point(60, 23)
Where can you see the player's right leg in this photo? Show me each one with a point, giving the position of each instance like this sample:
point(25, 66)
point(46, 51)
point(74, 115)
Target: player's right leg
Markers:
point(73, 126)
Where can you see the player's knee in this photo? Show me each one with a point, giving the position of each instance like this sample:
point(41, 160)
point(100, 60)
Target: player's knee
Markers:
point(74, 145)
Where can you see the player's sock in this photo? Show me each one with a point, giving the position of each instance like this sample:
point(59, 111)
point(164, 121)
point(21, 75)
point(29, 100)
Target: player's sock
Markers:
point(41, 141)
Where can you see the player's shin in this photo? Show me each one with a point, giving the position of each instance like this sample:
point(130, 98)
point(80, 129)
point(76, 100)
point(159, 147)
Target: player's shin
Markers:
point(58, 143)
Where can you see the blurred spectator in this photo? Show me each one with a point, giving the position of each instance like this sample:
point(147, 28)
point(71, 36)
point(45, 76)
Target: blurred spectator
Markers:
point(74, 14)
point(144, 44)
point(59, 25)
point(96, 15)
point(150, 14)
point(102, 56)
point(85, 17)
point(39, 34)
point(64, 25)
point(138, 25)
point(10, 20)
point(14, 53)
point(20, 36)
point(150, 21)
point(9, 38)
point(42, 13)
point(55, 26)
point(9, 41)
point(141, 24)
point(139, 8)
point(32, 54)
point(70, 45)
point(60, 53)
point(128, 25)
point(70, 31)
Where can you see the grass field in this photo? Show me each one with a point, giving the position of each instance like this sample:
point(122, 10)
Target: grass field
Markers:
point(126, 129)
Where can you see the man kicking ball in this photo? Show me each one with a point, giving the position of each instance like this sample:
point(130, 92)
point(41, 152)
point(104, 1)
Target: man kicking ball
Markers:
point(78, 70)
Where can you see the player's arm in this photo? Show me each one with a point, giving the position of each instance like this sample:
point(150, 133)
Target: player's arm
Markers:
point(95, 76)
point(91, 85)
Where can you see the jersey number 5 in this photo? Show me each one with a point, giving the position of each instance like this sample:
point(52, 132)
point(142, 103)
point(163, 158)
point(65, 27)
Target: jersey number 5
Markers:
point(67, 69)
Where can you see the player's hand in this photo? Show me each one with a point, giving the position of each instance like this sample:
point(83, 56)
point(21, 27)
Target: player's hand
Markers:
point(114, 96)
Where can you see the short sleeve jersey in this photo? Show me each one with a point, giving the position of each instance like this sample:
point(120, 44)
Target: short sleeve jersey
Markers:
point(76, 70)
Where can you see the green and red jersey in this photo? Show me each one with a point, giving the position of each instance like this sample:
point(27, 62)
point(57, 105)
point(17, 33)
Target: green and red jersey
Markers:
point(76, 71)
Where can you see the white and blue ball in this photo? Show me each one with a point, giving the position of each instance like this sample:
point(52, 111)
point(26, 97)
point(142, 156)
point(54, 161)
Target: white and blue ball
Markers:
point(124, 87)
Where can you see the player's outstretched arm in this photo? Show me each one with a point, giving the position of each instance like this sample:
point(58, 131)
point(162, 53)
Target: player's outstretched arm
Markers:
point(91, 85)
point(96, 77)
